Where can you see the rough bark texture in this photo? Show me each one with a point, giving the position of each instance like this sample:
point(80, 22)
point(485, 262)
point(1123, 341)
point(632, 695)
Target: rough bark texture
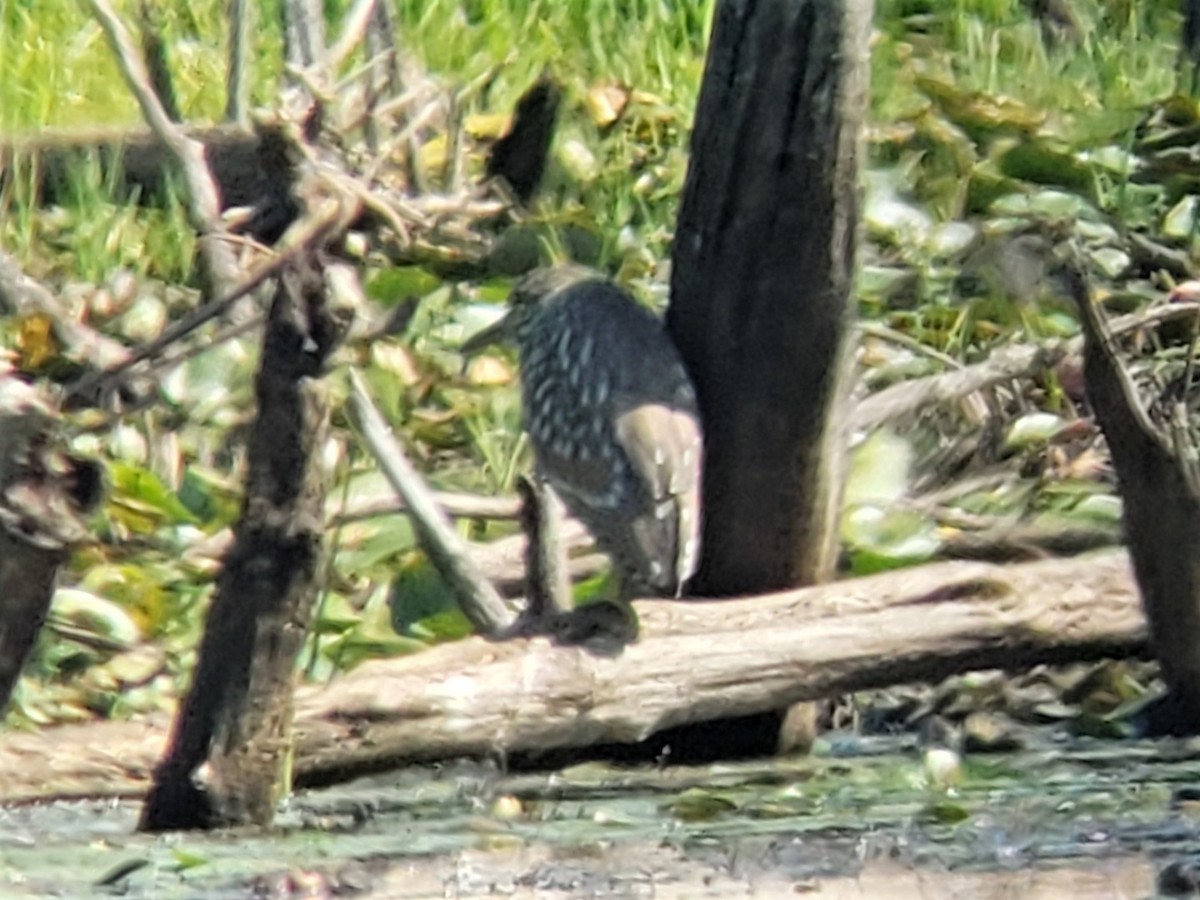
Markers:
point(44, 497)
point(1160, 493)
point(237, 714)
point(693, 662)
point(761, 277)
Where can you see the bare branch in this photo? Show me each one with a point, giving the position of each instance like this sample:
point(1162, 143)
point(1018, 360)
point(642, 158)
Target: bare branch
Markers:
point(479, 601)
point(237, 80)
point(203, 198)
point(354, 27)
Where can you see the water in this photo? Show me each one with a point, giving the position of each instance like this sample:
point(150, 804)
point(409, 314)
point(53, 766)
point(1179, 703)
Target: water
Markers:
point(1081, 818)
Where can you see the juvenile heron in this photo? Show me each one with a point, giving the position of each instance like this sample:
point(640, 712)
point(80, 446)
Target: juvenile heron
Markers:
point(612, 418)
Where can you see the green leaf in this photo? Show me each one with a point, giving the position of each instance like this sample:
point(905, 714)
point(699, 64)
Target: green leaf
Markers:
point(700, 805)
point(945, 812)
point(879, 469)
point(419, 596)
point(185, 859)
point(394, 285)
point(145, 496)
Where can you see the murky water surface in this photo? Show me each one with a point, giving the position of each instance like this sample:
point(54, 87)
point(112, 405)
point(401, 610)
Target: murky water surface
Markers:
point(858, 819)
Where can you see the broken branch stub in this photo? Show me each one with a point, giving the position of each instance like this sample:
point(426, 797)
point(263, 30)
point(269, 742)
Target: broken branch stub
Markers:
point(1162, 517)
point(45, 495)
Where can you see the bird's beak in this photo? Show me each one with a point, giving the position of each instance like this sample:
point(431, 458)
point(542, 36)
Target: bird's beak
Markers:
point(496, 333)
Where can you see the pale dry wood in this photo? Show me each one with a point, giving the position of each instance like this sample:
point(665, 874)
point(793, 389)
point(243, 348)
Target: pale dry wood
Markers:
point(910, 397)
point(478, 599)
point(1004, 364)
point(693, 661)
point(458, 504)
point(354, 27)
point(237, 80)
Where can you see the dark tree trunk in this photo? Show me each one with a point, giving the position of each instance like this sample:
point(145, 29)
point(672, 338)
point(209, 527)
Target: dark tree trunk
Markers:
point(237, 714)
point(1160, 491)
point(761, 307)
point(761, 281)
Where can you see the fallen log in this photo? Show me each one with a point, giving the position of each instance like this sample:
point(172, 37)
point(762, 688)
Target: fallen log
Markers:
point(136, 160)
point(694, 661)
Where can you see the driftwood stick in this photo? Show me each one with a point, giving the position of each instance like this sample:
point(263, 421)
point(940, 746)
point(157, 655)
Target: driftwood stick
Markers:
point(456, 504)
point(697, 661)
point(480, 602)
point(910, 397)
point(354, 26)
point(1018, 361)
point(237, 79)
point(693, 661)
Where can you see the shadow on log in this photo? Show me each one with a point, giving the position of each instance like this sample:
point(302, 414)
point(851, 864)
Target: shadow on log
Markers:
point(237, 715)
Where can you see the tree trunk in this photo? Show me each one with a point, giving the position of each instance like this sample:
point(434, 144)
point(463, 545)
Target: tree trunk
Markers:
point(760, 294)
point(761, 278)
point(1159, 479)
point(237, 715)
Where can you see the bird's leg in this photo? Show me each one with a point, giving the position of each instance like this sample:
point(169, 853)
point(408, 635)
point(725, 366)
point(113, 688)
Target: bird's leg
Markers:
point(603, 625)
point(547, 585)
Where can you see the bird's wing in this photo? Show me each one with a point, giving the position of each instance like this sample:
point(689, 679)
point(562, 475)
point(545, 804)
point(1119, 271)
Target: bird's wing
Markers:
point(663, 444)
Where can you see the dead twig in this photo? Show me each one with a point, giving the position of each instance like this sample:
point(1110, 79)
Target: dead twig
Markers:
point(354, 27)
point(312, 234)
point(203, 198)
point(480, 602)
point(460, 506)
point(1019, 361)
point(237, 82)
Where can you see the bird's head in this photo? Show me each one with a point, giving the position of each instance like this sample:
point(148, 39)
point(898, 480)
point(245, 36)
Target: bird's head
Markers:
point(532, 293)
